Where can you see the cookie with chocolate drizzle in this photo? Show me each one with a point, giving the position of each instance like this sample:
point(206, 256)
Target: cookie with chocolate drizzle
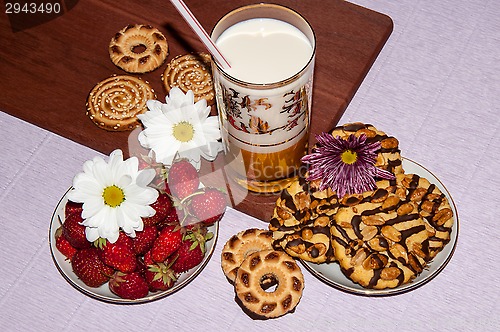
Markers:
point(432, 205)
point(301, 221)
point(386, 237)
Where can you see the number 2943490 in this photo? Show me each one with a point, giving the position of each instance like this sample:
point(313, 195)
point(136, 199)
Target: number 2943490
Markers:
point(32, 8)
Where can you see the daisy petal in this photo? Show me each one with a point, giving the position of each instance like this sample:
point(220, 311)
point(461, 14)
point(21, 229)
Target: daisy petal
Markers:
point(114, 196)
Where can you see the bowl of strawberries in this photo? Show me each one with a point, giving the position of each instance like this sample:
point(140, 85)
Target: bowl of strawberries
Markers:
point(170, 250)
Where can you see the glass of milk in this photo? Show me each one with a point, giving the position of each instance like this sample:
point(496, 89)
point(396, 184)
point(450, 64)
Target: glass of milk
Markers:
point(264, 98)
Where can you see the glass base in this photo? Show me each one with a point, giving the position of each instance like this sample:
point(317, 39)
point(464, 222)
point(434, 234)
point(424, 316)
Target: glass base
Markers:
point(265, 187)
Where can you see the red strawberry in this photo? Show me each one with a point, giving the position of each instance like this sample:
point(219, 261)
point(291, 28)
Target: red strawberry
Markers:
point(160, 276)
point(74, 232)
point(167, 242)
point(144, 240)
point(192, 250)
point(183, 179)
point(63, 245)
point(72, 207)
point(208, 206)
point(119, 255)
point(172, 218)
point(163, 206)
point(147, 259)
point(89, 268)
point(128, 285)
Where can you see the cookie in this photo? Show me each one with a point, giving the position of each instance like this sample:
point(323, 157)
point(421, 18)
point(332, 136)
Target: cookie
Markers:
point(432, 206)
point(389, 154)
point(138, 48)
point(301, 221)
point(380, 240)
point(241, 245)
point(114, 103)
point(191, 72)
point(265, 269)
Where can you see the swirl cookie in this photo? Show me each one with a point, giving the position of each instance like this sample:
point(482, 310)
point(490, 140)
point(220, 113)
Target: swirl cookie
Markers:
point(241, 245)
point(432, 206)
point(263, 270)
point(388, 157)
point(380, 241)
point(301, 221)
point(138, 48)
point(114, 103)
point(191, 72)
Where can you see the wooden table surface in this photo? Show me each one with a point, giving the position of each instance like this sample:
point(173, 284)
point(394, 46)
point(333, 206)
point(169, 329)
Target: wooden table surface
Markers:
point(49, 66)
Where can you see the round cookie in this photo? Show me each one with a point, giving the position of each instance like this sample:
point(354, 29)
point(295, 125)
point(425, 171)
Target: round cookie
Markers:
point(432, 205)
point(191, 72)
point(241, 245)
point(301, 221)
point(389, 154)
point(262, 270)
point(380, 241)
point(138, 48)
point(114, 103)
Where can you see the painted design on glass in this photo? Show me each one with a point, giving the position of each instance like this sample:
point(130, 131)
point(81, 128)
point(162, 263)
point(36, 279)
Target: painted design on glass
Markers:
point(295, 107)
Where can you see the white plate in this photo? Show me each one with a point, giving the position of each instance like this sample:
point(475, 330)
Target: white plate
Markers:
point(103, 293)
point(333, 276)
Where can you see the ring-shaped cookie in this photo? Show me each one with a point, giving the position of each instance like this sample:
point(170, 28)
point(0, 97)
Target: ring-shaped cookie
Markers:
point(268, 268)
point(114, 103)
point(138, 48)
point(191, 72)
point(241, 245)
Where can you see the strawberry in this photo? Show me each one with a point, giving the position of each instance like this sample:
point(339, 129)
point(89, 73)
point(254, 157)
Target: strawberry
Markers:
point(208, 206)
point(63, 245)
point(167, 242)
point(144, 240)
point(182, 179)
point(172, 218)
point(89, 268)
point(160, 276)
point(74, 232)
point(119, 255)
point(192, 250)
point(128, 285)
point(72, 207)
point(163, 206)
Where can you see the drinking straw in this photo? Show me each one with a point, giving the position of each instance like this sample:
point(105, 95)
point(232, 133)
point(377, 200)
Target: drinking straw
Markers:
point(202, 34)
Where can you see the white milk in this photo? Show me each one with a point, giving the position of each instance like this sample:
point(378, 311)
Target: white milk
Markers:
point(264, 50)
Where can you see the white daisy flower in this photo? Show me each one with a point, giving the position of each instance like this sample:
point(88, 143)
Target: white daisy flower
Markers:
point(180, 128)
point(115, 195)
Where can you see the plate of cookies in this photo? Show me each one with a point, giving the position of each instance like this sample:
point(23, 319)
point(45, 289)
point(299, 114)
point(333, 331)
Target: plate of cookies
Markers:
point(384, 241)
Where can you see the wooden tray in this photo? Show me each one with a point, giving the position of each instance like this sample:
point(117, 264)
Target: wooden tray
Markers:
point(49, 63)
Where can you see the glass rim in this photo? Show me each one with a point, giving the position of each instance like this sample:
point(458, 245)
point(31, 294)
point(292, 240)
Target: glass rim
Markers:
point(283, 82)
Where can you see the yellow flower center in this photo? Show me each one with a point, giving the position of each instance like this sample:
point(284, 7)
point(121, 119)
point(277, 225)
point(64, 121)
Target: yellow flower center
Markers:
point(349, 157)
point(183, 131)
point(113, 196)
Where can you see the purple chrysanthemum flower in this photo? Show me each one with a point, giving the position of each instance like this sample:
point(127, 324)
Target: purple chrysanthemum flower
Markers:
point(346, 166)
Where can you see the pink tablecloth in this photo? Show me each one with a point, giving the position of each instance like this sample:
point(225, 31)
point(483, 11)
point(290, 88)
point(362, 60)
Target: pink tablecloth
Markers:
point(434, 86)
